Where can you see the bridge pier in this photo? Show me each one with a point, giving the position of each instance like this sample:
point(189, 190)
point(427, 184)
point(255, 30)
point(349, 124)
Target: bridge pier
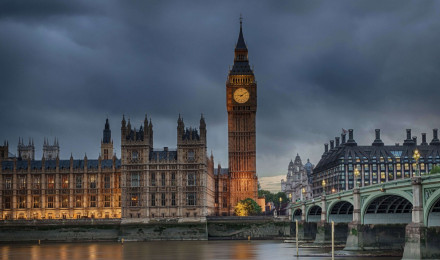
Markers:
point(355, 238)
point(416, 232)
point(323, 233)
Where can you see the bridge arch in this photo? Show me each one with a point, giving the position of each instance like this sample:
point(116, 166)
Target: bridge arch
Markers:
point(314, 213)
point(378, 209)
point(340, 211)
point(432, 210)
point(297, 214)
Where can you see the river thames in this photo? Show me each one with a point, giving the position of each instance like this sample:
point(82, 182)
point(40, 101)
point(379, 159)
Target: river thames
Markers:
point(273, 250)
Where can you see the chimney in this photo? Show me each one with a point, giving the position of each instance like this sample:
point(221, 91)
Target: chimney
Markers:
point(326, 148)
point(351, 141)
point(408, 140)
point(377, 141)
point(337, 141)
point(435, 140)
point(424, 139)
point(343, 138)
point(165, 149)
point(415, 140)
point(332, 144)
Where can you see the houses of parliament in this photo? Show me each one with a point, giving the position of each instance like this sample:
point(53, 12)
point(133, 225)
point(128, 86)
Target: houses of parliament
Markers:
point(145, 182)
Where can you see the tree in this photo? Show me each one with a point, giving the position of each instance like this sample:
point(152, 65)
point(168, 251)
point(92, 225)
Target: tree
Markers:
point(273, 197)
point(435, 169)
point(247, 207)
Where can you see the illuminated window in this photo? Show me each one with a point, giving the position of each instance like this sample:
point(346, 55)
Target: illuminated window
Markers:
point(78, 201)
point(36, 203)
point(50, 202)
point(398, 167)
point(92, 181)
point(50, 181)
point(65, 181)
point(21, 182)
point(134, 200)
point(107, 201)
point(22, 202)
point(8, 183)
point(36, 182)
point(92, 201)
point(65, 201)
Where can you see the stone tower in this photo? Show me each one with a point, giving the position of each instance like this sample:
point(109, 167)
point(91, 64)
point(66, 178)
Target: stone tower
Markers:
point(26, 152)
point(135, 150)
point(4, 151)
point(107, 142)
point(241, 103)
point(51, 152)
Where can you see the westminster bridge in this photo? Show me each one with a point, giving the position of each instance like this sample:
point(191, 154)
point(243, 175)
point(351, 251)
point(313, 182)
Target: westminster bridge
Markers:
point(401, 214)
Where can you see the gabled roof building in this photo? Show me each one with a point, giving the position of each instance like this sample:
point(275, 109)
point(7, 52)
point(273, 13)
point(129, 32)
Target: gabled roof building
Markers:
point(376, 163)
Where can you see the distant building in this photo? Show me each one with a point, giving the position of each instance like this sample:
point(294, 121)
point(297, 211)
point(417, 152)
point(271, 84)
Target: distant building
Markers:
point(298, 183)
point(26, 152)
point(376, 163)
point(51, 152)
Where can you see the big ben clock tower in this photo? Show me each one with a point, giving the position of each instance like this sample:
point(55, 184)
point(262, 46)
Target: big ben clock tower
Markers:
point(241, 103)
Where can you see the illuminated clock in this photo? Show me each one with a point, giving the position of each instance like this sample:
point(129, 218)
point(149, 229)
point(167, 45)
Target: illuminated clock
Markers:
point(241, 95)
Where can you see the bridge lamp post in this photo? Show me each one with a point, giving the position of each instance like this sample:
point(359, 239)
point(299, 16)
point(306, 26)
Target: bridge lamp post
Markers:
point(323, 186)
point(356, 176)
point(290, 197)
point(416, 157)
point(279, 209)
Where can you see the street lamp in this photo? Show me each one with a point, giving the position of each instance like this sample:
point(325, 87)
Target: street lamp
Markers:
point(279, 209)
point(323, 186)
point(416, 157)
point(356, 175)
point(290, 197)
point(304, 193)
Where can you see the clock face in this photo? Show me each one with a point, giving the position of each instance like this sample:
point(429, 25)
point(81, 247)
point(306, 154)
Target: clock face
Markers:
point(241, 95)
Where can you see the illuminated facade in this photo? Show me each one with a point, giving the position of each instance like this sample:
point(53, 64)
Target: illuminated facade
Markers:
point(377, 163)
point(241, 104)
point(59, 189)
point(166, 183)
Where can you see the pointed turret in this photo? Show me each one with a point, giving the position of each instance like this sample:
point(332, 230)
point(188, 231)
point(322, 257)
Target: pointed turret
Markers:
point(241, 61)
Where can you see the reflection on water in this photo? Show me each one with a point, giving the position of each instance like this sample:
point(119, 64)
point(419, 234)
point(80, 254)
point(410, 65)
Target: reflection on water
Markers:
point(272, 250)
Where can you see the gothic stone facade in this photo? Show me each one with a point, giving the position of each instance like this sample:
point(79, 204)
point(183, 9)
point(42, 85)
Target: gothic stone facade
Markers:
point(166, 183)
point(298, 183)
point(58, 189)
point(241, 103)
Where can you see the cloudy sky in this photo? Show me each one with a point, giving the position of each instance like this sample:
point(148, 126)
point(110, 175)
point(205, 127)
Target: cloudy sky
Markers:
point(320, 66)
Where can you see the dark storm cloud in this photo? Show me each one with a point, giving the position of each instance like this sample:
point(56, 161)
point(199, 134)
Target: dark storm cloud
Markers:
point(320, 66)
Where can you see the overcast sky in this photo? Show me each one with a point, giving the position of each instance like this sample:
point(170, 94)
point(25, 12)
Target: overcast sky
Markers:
point(320, 66)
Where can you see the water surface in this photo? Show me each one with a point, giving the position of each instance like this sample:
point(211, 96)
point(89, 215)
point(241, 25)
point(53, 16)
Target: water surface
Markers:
point(267, 250)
